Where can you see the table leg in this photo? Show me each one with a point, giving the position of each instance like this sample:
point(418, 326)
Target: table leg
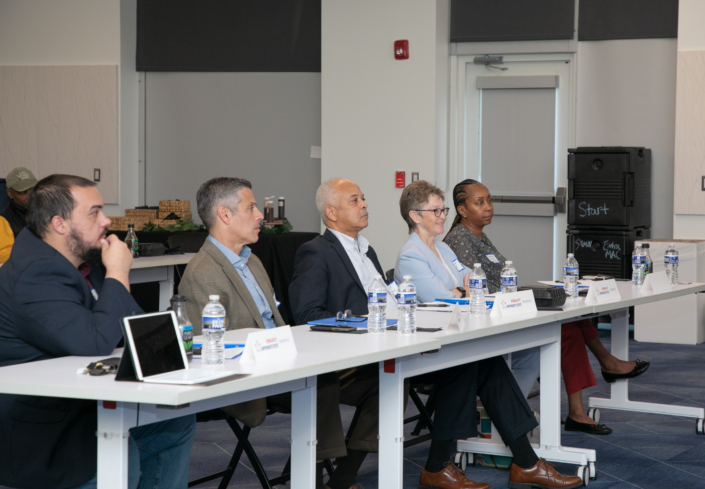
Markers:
point(114, 422)
point(391, 424)
point(166, 289)
point(303, 436)
point(619, 390)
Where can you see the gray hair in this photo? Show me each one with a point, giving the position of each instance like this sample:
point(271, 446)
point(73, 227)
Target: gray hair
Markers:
point(325, 196)
point(414, 196)
point(216, 192)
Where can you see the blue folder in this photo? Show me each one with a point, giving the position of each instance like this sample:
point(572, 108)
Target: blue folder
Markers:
point(355, 322)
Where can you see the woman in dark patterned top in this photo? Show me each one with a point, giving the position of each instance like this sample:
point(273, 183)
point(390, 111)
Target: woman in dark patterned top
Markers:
point(473, 203)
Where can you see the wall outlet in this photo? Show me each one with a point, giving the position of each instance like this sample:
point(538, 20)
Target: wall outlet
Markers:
point(96, 174)
point(703, 184)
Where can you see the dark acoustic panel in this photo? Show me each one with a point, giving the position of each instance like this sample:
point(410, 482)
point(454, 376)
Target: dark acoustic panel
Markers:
point(601, 20)
point(511, 20)
point(229, 35)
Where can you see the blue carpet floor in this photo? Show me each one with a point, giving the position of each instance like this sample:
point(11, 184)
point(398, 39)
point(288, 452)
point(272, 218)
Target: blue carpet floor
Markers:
point(644, 451)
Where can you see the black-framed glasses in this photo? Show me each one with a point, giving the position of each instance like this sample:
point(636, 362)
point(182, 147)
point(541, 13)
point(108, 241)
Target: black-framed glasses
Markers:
point(436, 212)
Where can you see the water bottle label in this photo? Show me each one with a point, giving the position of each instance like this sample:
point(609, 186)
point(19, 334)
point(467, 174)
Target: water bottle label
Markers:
point(638, 260)
point(509, 281)
point(377, 297)
point(406, 298)
point(188, 337)
point(570, 271)
point(477, 283)
point(213, 322)
point(670, 260)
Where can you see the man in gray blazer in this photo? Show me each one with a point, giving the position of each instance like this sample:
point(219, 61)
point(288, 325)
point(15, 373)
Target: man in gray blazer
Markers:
point(226, 266)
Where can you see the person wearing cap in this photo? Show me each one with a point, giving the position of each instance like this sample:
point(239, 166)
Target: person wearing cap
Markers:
point(19, 181)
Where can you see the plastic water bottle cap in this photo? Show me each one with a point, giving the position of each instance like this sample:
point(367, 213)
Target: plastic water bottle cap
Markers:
point(508, 262)
point(407, 277)
point(570, 254)
point(475, 264)
point(213, 297)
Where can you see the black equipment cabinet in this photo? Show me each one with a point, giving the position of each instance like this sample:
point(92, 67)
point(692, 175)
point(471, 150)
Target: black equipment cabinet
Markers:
point(604, 251)
point(609, 207)
point(609, 188)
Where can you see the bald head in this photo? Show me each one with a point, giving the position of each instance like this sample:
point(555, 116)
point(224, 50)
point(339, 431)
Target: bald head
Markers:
point(342, 206)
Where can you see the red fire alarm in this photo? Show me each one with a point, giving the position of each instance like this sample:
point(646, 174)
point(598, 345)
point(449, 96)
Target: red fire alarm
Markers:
point(401, 49)
point(401, 179)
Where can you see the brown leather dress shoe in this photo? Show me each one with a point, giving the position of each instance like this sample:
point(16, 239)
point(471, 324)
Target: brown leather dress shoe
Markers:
point(541, 475)
point(451, 477)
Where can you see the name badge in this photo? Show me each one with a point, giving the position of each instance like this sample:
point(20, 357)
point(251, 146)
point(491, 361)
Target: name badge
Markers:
point(514, 304)
point(603, 291)
point(656, 282)
point(269, 344)
point(492, 258)
point(459, 266)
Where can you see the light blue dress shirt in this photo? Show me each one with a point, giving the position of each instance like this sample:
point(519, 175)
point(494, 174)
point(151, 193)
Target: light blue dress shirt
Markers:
point(240, 264)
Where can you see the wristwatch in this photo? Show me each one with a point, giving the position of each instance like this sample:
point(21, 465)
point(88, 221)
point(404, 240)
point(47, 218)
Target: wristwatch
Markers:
point(462, 292)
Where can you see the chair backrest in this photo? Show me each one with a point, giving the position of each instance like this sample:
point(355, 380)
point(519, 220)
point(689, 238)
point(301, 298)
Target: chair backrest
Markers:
point(4, 199)
point(187, 242)
point(389, 275)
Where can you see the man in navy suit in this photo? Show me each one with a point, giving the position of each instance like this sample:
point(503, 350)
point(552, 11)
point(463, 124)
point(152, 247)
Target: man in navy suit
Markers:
point(63, 292)
point(333, 273)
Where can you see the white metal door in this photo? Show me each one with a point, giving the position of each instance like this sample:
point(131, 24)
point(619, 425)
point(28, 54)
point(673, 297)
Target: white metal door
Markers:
point(512, 127)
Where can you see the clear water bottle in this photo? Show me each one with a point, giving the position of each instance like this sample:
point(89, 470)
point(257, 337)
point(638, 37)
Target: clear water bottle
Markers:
point(377, 306)
point(478, 282)
point(213, 330)
point(509, 277)
point(571, 272)
point(178, 305)
point(407, 306)
point(638, 266)
point(133, 244)
point(670, 259)
point(649, 262)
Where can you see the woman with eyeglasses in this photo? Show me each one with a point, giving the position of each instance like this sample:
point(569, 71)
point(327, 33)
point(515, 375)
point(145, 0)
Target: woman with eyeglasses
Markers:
point(466, 238)
point(435, 270)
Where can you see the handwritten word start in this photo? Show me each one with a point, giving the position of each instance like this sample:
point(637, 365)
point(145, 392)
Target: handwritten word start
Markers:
point(586, 210)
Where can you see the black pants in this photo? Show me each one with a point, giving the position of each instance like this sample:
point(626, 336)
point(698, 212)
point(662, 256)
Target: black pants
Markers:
point(456, 406)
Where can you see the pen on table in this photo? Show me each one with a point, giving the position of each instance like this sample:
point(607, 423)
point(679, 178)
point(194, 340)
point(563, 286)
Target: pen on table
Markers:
point(432, 305)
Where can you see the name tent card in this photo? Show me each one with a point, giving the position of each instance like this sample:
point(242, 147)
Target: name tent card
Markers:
point(269, 344)
point(514, 304)
point(656, 282)
point(455, 318)
point(603, 291)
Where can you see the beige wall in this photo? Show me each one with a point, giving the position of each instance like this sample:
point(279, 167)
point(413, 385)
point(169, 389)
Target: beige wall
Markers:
point(689, 199)
point(379, 114)
point(81, 32)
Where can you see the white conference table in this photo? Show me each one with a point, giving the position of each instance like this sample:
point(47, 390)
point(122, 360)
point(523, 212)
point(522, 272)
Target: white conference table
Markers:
point(123, 405)
point(158, 269)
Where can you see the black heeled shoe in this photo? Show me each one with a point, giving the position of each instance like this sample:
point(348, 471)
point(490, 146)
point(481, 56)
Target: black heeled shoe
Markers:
point(593, 429)
point(640, 368)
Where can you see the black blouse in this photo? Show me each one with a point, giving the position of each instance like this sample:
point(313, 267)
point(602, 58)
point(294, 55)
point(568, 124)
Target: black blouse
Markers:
point(470, 249)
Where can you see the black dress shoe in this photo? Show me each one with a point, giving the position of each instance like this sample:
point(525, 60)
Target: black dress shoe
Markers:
point(639, 369)
point(593, 429)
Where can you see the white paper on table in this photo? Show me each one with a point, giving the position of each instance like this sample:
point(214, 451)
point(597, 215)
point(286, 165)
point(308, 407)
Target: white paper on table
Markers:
point(603, 291)
point(454, 318)
point(656, 282)
point(514, 304)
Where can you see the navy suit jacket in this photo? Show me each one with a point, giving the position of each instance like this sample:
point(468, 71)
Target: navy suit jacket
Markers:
point(325, 280)
point(47, 311)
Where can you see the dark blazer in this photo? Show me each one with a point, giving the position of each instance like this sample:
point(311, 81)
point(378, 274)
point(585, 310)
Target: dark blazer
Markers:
point(325, 280)
point(47, 311)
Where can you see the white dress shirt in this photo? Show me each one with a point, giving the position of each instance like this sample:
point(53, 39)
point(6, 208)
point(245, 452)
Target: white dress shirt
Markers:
point(356, 248)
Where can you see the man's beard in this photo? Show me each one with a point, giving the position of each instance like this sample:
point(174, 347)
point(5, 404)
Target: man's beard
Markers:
point(81, 250)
